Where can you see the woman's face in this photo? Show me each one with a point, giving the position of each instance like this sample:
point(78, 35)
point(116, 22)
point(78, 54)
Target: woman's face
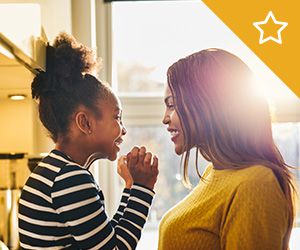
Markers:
point(109, 128)
point(171, 119)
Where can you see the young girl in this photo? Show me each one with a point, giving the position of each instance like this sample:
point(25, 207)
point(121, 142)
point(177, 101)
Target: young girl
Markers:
point(61, 206)
point(244, 198)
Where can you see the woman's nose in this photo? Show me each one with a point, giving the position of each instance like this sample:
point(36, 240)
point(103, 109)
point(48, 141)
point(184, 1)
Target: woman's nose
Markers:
point(166, 119)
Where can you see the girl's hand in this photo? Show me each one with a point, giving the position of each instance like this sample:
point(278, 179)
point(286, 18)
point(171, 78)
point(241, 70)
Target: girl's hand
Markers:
point(124, 172)
point(143, 167)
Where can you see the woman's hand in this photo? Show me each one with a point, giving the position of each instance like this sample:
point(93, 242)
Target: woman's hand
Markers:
point(124, 172)
point(142, 167)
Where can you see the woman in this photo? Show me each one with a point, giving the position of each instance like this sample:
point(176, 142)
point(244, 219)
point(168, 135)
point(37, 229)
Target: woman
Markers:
point(61, 206)
point(244, 198)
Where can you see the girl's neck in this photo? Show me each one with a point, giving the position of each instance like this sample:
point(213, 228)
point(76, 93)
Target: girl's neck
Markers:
point(76, 154)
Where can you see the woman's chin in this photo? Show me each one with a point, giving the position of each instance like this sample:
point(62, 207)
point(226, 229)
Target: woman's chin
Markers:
point(179, 150)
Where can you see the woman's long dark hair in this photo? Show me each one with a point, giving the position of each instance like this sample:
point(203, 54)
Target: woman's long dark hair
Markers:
point(215, 98)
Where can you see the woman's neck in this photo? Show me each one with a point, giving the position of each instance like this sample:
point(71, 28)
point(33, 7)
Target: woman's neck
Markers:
point(218, 166)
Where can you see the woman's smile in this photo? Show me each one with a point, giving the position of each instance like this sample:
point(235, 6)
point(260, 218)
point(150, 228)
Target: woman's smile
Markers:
point(174, 134)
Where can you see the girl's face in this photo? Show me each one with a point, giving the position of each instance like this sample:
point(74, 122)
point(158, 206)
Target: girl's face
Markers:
point(109, 129)
point(171, 119)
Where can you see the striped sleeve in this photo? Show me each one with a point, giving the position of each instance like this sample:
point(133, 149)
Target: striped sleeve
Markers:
point(76, 198)
point(128, 230)
point(123, 204)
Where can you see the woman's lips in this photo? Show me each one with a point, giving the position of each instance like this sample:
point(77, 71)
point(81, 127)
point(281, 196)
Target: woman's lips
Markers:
point(174, 134)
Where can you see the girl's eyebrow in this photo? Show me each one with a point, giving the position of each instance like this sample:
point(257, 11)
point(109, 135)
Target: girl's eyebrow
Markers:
point(167, 99)
point(117, 112)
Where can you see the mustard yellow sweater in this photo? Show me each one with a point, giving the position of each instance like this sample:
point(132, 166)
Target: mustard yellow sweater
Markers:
point(233, 209)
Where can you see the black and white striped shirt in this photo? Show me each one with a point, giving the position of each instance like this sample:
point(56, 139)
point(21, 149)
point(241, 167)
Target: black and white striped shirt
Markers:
point(62, 207)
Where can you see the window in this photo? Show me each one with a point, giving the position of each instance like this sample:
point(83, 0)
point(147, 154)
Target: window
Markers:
point(148, 36)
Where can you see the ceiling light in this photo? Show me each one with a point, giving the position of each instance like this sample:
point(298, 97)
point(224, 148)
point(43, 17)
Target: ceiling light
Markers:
point(17, 97)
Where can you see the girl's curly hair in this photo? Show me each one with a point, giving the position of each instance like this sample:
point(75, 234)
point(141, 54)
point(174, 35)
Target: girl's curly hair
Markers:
point(67, 83)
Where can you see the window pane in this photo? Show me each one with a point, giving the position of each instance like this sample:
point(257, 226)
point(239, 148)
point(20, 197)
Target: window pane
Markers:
point(149, 36)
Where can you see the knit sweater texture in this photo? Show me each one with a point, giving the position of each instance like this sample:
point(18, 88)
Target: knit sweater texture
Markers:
point(229, 209)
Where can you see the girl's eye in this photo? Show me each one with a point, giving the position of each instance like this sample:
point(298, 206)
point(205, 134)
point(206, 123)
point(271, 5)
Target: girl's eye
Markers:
point(119, 118)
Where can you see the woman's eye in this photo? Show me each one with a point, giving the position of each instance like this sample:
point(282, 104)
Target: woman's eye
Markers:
point(170, 106)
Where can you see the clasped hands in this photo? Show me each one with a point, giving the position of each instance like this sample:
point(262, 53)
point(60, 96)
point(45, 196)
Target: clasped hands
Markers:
point(138, 166)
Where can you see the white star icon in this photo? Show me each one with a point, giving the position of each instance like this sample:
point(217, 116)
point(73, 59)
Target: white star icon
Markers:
point(261, 38)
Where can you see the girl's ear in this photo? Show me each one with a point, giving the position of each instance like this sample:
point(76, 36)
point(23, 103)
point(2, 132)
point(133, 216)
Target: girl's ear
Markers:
point(83, 122)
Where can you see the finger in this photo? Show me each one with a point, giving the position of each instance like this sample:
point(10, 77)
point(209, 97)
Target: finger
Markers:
point(155, 162)
point(134, 156)
point(128, 157)
point(119, 165)
point(142, 153)
point(122, 160)
point(154, 165)
point(147, 160)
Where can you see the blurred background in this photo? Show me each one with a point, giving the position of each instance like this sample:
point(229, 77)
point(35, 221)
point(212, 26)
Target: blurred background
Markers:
point(137, 41)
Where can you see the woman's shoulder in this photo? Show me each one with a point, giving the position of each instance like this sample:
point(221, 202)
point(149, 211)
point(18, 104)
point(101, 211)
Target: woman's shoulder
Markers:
point(251, 173)
point(259, 179)
point(257, 173)
point(254, 178)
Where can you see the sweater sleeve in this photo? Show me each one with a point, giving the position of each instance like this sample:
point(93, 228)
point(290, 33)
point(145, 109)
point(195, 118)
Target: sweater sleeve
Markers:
point(257, 216)
point(123, 204)
point(76, 199)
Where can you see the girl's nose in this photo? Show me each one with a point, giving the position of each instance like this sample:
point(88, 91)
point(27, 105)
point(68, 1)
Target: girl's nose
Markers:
point(124, 131)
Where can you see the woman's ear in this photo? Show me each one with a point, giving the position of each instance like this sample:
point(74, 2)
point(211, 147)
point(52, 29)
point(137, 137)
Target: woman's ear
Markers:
point(83, 122)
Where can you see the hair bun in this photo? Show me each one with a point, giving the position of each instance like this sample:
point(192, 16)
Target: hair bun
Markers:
point(72, 58)
point(67, 61)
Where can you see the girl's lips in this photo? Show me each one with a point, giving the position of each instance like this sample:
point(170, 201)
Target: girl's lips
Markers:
point(118, 142)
